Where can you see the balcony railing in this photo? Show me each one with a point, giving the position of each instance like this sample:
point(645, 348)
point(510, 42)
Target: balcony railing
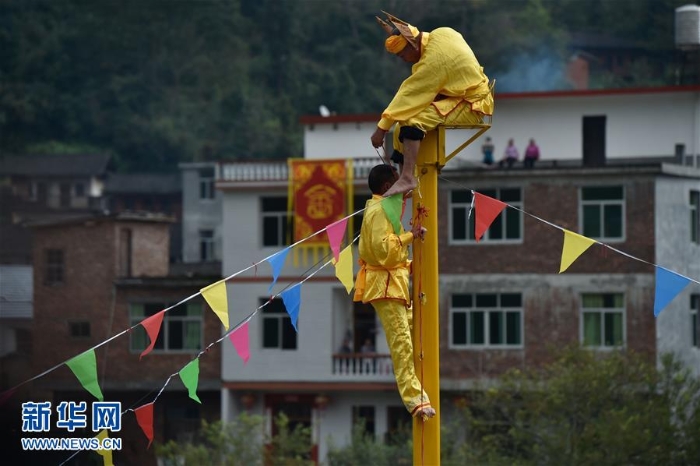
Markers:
point(370, 365)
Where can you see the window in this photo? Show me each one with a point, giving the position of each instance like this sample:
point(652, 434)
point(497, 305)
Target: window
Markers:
point(398, 425)
point(42, 193)
point(206, 245)
point(695, 217)
point(695, 331)
point(491, 320)
point(79, 329)
point(181, 330)
point(274, 221)
point(64, 194)
point(79, 190)
point(507, 227)
point(603, 320)
point(54, 266)
point(206, 183)
point(364, 415)
point(278, 331)
point(603, 212)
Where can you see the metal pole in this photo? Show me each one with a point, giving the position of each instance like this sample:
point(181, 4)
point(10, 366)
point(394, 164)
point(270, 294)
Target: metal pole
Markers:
point(426, 310)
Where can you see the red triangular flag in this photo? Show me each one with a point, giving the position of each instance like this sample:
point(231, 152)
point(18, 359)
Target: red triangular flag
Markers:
point(144, 416)
point(336, 233)
point(241, 342)
point(152, 325)
point(486, 210)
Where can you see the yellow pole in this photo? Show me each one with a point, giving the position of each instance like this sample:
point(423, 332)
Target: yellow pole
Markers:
point(426, 325)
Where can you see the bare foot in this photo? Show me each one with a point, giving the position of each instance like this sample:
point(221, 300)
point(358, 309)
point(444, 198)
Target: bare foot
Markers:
point(402, 185)
point(426, 413)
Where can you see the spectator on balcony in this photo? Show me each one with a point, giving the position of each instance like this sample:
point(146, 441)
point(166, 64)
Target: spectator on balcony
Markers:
point(532, 154)
point(368, 346)
point(345, 348)
point(510, 155)
point(383, 282)
point(487, 149)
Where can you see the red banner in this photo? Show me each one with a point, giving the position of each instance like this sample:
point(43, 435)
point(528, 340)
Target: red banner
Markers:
point(319, 191)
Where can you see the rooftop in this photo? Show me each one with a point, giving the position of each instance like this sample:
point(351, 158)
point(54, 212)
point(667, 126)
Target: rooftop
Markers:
point(143, 183)
point(71, 165)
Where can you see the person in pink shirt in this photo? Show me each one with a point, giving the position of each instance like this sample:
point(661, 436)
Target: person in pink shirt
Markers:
point(532, 154)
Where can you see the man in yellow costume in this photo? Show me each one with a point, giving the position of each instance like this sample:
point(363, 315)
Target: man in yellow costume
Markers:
point(447, 86)
point(383, 282)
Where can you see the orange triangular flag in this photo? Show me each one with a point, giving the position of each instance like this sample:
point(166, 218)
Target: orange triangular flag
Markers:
point(152, 325)
point(486, 210)
point(574, 246)
point(215, 295)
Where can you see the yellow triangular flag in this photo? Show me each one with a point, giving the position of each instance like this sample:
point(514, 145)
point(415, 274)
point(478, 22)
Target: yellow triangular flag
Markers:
point(574, 246)
point(215, 295)
point(105, 454)
point(343, 268)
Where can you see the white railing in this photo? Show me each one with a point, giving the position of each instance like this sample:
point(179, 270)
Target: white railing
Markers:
point(363, 365)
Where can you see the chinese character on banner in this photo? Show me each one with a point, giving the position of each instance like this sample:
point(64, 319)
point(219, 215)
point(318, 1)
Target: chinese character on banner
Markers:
point(107, 415)
point(71, 415)
point(36, 417)
point(319, 190)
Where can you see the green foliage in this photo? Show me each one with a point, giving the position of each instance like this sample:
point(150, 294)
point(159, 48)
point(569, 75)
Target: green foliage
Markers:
point(156, 83)
point(241, 442)
point(364, 449)
point(587, 409)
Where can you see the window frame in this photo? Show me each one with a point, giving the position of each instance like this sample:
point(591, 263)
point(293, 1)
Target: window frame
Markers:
point(165, 327)
point(207, 245)
point(73, 324)
point(55, 271)
point(284, 227)
point(603, 311)
point(282, 317)
point(486, 239)
point(499, 308)
point(602, 203)
point(694, 312)
point(694, 201)
point(207, 181)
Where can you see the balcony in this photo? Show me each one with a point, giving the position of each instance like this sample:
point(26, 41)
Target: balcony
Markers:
point(364, 366)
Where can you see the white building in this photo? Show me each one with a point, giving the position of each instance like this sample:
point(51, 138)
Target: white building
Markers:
point(631, 138)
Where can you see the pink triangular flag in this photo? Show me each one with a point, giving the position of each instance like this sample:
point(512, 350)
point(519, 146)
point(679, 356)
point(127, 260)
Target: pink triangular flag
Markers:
point(144, 416)
point(487, 209)
point(336, 233)
point(241, 342)
point(152, 325)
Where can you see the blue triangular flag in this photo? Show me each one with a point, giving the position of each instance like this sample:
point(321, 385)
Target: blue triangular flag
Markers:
point(668, 285)
point(292, 299)
point(277, 262)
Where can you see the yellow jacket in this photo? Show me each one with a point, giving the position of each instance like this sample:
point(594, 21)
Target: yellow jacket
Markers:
point(447, 68)
point(384, 260)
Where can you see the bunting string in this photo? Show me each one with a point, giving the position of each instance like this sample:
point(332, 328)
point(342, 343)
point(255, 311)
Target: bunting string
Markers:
point(291, 292)
point(565, 230)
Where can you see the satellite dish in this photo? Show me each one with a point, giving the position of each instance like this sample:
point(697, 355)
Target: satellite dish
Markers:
point(323, 110)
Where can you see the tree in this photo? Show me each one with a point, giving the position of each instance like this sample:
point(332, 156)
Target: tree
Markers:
point(587, 408)
point(241, 442)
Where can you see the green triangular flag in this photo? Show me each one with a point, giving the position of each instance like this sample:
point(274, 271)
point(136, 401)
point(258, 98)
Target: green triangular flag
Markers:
point(392, 206)
point(190, 377)
point(84, 366)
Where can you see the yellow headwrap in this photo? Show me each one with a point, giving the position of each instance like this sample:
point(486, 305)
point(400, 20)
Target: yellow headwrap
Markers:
point(395, 44)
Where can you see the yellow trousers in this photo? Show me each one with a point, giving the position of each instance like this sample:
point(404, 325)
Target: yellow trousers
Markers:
point(396, 322)
point(429, 119)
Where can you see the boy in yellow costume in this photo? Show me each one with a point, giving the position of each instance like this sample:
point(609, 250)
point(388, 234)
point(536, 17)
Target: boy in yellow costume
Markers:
point(383, 282)
point(447, 86)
